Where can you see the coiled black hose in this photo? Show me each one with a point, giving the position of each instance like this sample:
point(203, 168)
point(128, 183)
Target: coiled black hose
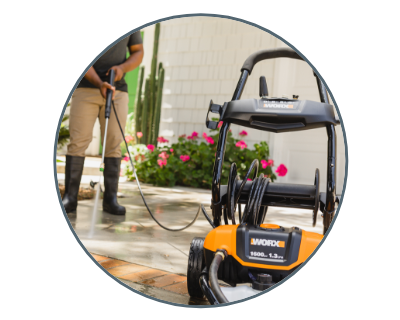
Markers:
point(253, 207)
point(232, 197)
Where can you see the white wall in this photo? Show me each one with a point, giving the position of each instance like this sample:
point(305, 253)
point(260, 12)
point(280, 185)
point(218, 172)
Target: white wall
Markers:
point(202, 58)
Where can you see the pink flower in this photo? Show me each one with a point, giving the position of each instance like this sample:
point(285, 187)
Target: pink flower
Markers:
point(248, 179)
point(281, 170)
point(205, 135)
point(243, 133)
point(139, 134)
point(150, 147)
point(190, 138)
point(126, 159)
point(267, 163)
point(182, 136)
point(195, 134)
point(264, 164)
point(185, 158)
point(241, 144)
point(163, 155)
point(220, 124)
point(210, 140)
point(162, 163)
point(128, 139)
point(162, 140)
point(171, 150)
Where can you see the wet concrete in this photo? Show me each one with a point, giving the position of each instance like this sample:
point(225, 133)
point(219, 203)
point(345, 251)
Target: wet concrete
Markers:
point(136, 238)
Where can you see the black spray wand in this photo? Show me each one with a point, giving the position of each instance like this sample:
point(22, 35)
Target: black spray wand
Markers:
point(109, 95)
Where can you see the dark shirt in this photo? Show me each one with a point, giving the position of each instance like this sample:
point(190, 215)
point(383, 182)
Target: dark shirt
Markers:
point(113, 57)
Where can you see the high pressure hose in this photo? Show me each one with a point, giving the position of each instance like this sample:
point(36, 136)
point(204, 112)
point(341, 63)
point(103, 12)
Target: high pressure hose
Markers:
point(140, 189)
point(205, 287)
point(213, 273)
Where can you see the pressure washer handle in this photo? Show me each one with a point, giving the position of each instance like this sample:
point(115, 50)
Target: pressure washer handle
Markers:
point(109, 93)
point(269, 54)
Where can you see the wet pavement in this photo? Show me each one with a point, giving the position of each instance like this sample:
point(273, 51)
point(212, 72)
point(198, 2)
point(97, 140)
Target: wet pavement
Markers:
point(136, 238)
point(155, 283)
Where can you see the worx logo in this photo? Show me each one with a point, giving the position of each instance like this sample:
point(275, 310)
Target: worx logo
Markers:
point(278, 105)
point(268, 243)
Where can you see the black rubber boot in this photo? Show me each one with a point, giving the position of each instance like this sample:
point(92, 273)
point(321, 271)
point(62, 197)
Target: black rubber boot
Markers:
point(73, 175)
point(111, 176)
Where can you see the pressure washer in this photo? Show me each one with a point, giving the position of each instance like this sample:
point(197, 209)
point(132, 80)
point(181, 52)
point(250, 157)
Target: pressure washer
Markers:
point(243, 250)
point(247, 251)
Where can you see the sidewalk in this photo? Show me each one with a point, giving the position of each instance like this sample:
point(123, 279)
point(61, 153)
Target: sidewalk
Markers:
point(152, 259)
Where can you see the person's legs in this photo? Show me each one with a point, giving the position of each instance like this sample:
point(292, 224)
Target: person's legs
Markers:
point(85, 104)
point(73, 174)
point(112, 159)
point(84, 110)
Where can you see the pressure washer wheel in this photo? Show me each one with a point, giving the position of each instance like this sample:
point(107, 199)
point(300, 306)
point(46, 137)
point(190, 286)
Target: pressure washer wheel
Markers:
point(196, 264)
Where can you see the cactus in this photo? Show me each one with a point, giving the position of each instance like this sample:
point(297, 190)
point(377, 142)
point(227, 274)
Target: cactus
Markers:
point(148, 105)
point(139, 104)
point(157, 115)
point(145, 112)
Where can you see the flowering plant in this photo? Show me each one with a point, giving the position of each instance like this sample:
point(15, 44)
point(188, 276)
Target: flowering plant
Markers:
point(190, 161)
point(241, 144)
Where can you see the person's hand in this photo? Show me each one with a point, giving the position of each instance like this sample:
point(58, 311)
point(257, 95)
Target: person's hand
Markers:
point(103, 89)
point(119, 73)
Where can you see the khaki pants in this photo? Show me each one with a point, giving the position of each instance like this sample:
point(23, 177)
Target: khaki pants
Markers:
point(87, 104)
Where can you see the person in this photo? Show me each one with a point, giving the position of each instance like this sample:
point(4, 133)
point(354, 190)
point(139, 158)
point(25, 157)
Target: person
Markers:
point(88, 104)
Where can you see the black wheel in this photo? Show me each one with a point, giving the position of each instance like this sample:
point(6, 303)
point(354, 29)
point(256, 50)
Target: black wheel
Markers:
point(196, 264)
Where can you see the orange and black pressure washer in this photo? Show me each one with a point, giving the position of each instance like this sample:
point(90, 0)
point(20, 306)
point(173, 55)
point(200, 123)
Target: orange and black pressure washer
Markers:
point(248, 250)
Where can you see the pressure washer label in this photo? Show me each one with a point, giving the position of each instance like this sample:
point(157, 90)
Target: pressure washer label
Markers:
point(267, 243)
point(278, 105)
point(266, 255)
